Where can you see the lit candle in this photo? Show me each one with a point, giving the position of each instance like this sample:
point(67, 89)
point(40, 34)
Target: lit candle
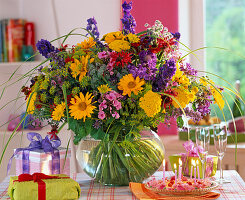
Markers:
point(198, 172)
point(195, 175)
point(163, 164)
point(180, 169)
point(191, 168)
point(175, 170)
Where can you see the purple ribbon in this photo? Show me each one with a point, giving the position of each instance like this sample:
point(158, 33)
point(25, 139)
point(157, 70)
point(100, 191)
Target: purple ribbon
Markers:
point(47, 145)
point(192, 151)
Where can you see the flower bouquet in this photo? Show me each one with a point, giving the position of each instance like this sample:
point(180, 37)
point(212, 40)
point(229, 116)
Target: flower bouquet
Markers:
point(114, 89)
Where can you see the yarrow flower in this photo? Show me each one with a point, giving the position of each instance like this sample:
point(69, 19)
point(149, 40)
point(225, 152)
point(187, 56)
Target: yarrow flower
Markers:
point(133, 38)
point(129, 84)
point(58, 112)
point(128, 20)
point(119, 45)
point(45, 47)
point(151, 103)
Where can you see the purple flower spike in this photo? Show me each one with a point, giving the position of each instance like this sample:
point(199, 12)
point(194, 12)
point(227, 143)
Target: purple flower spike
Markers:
point(128, 20)
point(92, 27)
point(45, 47)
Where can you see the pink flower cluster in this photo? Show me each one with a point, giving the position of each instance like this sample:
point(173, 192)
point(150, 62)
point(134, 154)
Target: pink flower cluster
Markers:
point(106, 55)
point(109, 105)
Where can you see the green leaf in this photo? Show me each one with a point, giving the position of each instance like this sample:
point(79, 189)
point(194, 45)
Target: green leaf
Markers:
point(180, 122)
point(97, 134)
point(79, 128)
point(194, 106)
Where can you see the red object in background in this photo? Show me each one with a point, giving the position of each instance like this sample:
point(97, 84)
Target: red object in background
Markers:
point(163, 129)
point(15, 37)
point(30, 34)
point(240, 125)
point(148, 11)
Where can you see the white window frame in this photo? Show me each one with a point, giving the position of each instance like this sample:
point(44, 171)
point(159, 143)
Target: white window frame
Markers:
point(192, 30)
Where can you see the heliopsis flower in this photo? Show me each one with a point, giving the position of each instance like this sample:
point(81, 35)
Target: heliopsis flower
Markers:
point(110, 37)
point(30, 103)
point(130, 84)
point(81, 106)
point(119, 45)
point(59, 111)
point(87, 44)
point(151, 103)
point(104, 89)
point(80, 68)
point(218, 98)
point(133, 38)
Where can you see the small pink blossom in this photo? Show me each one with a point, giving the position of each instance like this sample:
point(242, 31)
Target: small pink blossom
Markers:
point(102, 55)
point(111, 96)
point(110, 67)
point(103, 105)
point(101, 115)
point(117, 104)
point(116, 115)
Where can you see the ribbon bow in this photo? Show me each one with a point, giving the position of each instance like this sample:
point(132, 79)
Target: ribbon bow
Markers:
point(47, 145)
point(38, 178)
point(191, 150)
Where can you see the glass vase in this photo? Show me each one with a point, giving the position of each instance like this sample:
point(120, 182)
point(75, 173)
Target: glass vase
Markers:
point(121, 162)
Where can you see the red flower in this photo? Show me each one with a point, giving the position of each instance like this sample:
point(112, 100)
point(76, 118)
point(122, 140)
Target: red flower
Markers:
point(167, 101)
point(68, 59)
point(63, 47)
point(120, 58)
point(161, 45)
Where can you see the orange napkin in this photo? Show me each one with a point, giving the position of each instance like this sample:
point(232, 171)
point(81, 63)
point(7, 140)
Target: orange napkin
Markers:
point(142, 193)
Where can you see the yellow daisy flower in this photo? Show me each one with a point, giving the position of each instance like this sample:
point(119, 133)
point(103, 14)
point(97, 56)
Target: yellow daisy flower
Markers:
point(129, 84)
point(87, 44)
point(59, 111)
point(119, 45)
point(151, 103)
point(180, 78)
point(31, 106)
point(218, 98)
point(80, 68)
point(81, 106)
point(110, 37)
point(133, 38)
point(103, 89)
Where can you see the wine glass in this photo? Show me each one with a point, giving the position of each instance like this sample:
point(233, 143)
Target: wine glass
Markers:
point(220, 141)
point(202, 142)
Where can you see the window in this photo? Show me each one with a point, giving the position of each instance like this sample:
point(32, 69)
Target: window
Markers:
point(225, 28)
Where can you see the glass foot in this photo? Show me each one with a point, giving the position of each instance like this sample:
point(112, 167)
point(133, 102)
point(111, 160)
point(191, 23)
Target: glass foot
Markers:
point(222, 181)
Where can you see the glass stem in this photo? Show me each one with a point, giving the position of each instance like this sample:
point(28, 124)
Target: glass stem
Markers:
point(220, 167)
point(203, 170)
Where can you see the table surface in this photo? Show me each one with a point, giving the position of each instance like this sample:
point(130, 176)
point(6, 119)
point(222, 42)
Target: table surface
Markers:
point(92, 190)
